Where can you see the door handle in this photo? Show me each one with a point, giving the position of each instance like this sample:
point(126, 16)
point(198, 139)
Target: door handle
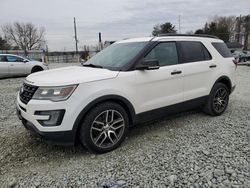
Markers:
point(212, 66)
point(176, 72)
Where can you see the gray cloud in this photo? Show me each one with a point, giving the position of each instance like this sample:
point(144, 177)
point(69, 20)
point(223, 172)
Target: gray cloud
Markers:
point(115, 19)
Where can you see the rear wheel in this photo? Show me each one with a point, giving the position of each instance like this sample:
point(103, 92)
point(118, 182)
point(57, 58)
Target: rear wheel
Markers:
point(218, 100)
point(104, 128)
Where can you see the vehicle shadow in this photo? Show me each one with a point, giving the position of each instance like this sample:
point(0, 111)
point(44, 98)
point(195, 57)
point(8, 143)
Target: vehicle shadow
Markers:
point(5, 78)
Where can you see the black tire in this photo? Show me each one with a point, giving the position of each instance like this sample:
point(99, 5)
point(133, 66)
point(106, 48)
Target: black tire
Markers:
point(36, 69)
point(218, 100)
point(99, 123)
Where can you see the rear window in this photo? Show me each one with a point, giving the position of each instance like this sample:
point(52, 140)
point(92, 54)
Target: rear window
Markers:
point(222, 48)
point(193, 51)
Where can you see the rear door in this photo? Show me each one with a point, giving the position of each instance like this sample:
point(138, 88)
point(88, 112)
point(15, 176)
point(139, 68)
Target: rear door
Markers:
point(17, 65)
point(161, 87)
point(4, 66)
point(198, 67)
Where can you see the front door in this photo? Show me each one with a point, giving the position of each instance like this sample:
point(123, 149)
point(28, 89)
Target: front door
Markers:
point(161, 87)
point(4, 67)
point(17, 65)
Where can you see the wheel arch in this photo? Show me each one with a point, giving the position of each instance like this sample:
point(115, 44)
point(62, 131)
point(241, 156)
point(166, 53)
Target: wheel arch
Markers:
point(36, 67)
point(225, 80)
point(112, 98)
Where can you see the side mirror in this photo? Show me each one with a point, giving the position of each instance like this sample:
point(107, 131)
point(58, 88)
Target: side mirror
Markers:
point(150, 64)
point(25, 61)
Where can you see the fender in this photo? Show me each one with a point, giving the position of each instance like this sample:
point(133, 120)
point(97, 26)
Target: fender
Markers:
point(116, 98)
point(225, 80)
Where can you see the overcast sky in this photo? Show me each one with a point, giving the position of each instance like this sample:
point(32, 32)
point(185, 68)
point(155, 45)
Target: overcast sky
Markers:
point(116, 19)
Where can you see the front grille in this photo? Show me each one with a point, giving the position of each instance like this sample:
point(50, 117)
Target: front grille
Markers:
point(27, 92)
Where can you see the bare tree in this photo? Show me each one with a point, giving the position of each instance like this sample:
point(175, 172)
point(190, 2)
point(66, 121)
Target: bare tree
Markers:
point(220, 26)
point(24, 35)
point(226, 22)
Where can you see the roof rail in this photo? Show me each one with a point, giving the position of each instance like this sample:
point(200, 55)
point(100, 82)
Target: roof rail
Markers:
point(187, 35)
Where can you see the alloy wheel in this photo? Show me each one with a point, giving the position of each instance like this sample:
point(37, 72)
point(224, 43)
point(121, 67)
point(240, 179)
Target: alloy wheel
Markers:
point(220, 100)
point(107, 128)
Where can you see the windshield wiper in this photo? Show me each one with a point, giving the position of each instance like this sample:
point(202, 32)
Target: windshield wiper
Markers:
point(92, 65)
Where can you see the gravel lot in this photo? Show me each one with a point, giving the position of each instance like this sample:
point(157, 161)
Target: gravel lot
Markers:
point(190, 149)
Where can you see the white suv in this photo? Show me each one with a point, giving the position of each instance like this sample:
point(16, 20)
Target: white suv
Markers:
point(131, 81)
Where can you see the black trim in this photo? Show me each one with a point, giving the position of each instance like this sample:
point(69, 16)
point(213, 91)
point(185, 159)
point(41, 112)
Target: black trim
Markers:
point(222, 80)
point(212, 66)
point(116, 98)
point(27, 93)
point(169, 110)
point(187, 35)
point(59, 137)
point(22, 108)
point(47, 112)
point(176, 72)
point(138, 58)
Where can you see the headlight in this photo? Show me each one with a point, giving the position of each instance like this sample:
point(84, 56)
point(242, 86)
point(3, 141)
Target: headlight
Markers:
point(54, 93)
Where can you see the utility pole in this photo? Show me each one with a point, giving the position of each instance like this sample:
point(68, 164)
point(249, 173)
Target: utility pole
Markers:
point(179, 20)
point(76, 40)
point(100, 41)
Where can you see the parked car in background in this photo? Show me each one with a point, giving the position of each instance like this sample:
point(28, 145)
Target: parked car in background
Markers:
point(14, 65)
point(244, 57)
point(236, 54)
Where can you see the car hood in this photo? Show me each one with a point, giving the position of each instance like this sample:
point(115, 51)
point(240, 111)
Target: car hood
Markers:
point(69, 75)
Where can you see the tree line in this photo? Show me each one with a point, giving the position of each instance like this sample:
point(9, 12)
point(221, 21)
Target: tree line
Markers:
point(26, 36)
point(227, 28)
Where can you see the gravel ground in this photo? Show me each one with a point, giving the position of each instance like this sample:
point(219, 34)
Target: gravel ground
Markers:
point(190, 149)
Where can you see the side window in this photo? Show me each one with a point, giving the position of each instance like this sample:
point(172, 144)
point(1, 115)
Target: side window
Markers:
point(3, 59)
point(14, 59)
point(165, 53)
point(207, 55)
point(222, 48)
point(193, 51)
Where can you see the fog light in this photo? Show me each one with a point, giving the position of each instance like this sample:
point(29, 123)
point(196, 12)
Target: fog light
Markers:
point(55, 117)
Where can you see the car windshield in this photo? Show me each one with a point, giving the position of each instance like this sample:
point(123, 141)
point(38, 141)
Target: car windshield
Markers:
point(29, 58)
point(116, 56)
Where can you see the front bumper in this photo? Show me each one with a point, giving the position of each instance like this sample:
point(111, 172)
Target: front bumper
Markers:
point(59, 134)
point(60, 137)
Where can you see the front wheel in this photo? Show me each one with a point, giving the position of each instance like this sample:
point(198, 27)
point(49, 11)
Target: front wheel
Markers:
point(36, 69)
point(104, 128)
point(218, 100)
